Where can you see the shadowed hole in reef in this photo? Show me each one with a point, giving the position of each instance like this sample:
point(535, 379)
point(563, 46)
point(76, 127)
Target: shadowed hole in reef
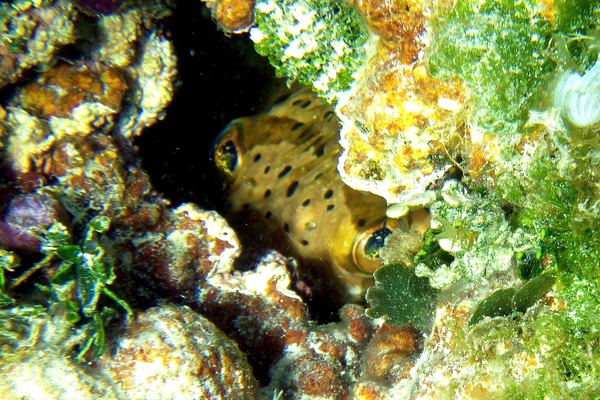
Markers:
point(219, 79)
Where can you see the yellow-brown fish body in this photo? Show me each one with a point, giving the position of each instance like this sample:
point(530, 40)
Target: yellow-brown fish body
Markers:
point(281, 178)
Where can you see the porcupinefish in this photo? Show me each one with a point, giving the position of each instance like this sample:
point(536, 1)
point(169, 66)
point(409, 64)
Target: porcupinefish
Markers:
point(284, 191)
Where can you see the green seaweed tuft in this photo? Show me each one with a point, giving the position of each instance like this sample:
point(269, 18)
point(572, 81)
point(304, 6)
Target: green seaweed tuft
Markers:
point(400, 297)
point(505, 302)
point(83, 274)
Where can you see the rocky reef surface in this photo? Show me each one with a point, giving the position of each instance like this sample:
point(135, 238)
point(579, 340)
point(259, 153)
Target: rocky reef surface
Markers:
point(484, 113)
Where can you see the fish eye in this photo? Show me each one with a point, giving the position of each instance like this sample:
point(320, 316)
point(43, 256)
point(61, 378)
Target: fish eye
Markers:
point(365, 251)
point(227, 155)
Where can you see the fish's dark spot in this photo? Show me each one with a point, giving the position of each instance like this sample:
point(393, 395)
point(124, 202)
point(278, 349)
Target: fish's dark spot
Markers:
point(267, 169)
point(282, 99)
point(297, 126)
point(304, 242)
point(286, 227)
point(307, 135)
point(301, 103)
point(245, 206)
point(328, 194)
point(284, 171)
point(328, 116)
point(330, 207)
point(361, 222)
point(317, 176)
point(320, 151)
point(257, 157)
point(268, 214)
point(292, 188)
point(267, 193)
point(305, 202)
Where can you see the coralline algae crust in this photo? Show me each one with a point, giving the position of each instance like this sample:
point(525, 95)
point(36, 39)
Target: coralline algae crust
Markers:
point(154, 74)
point(400, 126)
point(222, 256)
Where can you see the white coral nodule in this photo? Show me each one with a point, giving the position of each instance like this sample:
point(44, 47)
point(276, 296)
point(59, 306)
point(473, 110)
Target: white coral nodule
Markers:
point(578, 96)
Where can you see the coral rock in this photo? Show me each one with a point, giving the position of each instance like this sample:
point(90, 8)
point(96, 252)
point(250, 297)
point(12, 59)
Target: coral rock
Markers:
point(257, 309)
point(63, 88)
point(25, 216)
point(33, 31)
point(153, 75)
point(232, 16)
point(182, 251)
point(172, 352)
point(50, 375)
point(391, 353)
point(401, 126)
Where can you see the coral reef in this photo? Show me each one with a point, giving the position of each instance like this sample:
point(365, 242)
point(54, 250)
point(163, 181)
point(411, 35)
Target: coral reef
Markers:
point(499, 96)
point(483, 112)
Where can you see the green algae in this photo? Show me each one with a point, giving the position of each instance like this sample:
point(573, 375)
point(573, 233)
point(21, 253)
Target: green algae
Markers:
point(554, 198)
point(72, 295)
point(319, 43)
point(575, 45)
point(506, 302)
point(497, 48)
point(476, 237)
point(507, 50)
point(401, 297)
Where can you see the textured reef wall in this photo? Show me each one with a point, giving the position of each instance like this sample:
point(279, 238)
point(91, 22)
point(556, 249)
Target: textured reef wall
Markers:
point(484, 113)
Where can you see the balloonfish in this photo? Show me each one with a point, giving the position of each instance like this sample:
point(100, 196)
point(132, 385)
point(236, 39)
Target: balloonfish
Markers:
point(284, 192)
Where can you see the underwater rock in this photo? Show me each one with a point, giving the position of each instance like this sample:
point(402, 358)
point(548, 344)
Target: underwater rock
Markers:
point(302, 47)
point(62, 89)
point(67, 104)
point(32, 33)
point(25, 216)
point(323, 362)
point(172, 352)
point(391, 354)
point(120, 32)
point(96, 7)
point(153, 76)
point(257, 308)
point(400, 126)
point(232, 16)
point(49, 374)
point(178, 255)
